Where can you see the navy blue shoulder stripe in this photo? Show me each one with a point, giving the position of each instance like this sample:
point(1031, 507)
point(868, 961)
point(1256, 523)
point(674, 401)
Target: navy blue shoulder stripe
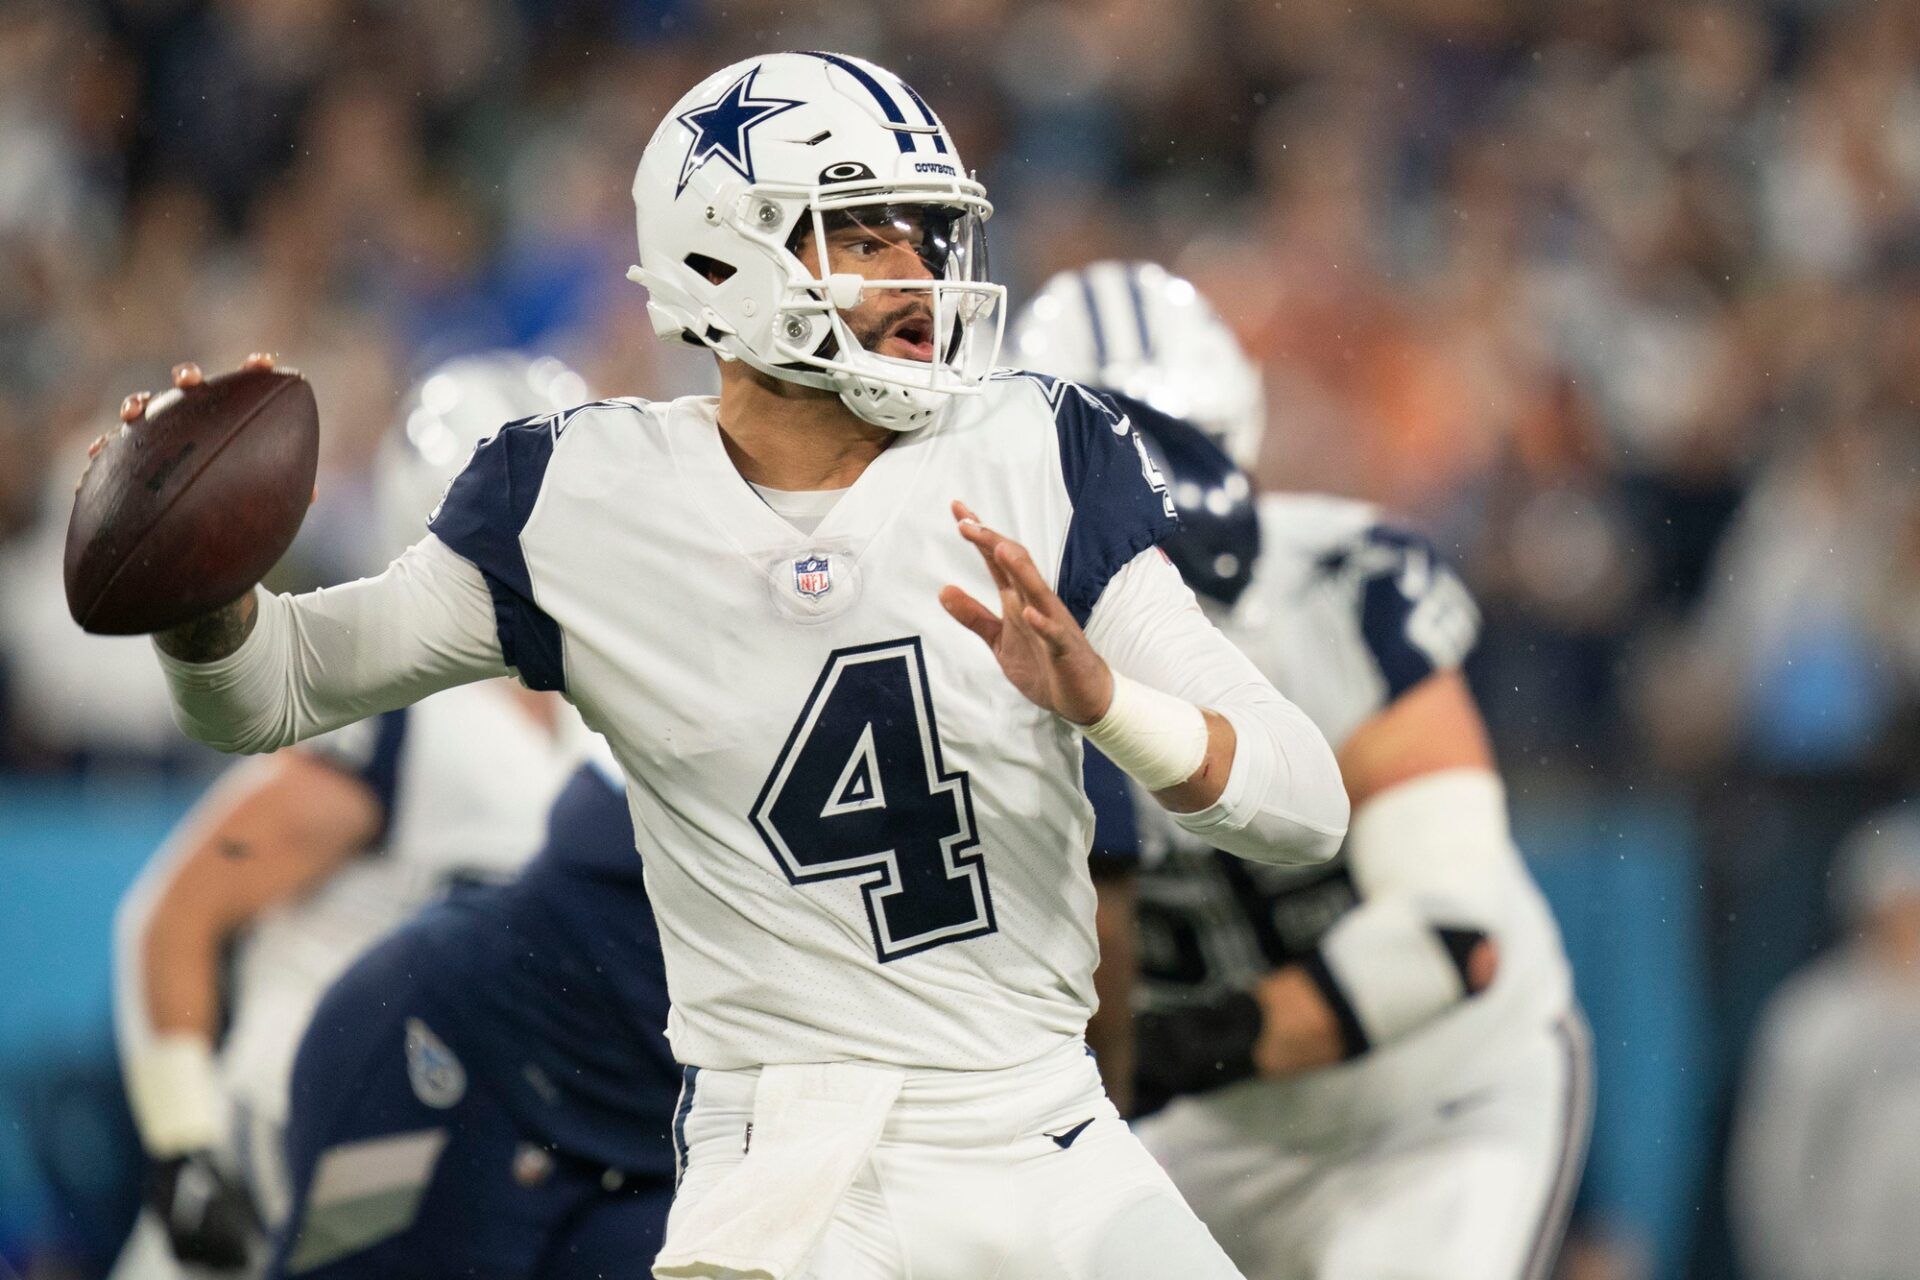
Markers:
point(880, 95)
point(485, 510)
point(1402, 576)
point(1120, 501)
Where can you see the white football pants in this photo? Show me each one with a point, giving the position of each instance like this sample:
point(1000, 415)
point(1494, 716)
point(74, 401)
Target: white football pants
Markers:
point(1022, 1174)
point(1477, 1187)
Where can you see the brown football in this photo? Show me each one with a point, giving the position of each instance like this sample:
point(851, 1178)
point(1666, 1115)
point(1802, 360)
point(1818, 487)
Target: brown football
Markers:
point(182, 511)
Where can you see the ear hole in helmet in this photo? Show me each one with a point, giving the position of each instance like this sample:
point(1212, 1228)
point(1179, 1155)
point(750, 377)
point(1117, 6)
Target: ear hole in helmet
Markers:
point(715, 271)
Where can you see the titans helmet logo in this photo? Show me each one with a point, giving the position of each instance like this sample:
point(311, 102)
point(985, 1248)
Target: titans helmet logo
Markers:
point(721, 128)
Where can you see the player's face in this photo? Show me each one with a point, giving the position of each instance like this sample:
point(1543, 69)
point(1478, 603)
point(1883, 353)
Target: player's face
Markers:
point(895, 242)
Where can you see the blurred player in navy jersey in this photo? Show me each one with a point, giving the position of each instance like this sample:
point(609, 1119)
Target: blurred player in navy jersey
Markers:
point(857, 784)
point(1374, 1067)
point(489, 1092)
point(302, 861)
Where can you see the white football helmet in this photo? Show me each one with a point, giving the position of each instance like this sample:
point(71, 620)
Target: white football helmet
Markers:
point(451, 409)
point(1136, 328)
point(770, 148)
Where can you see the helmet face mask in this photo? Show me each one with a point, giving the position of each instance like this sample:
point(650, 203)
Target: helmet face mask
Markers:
point(730, 249)
point(942, 320)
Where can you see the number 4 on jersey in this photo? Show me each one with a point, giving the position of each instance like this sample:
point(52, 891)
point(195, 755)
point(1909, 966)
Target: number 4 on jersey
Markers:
point(859, 790)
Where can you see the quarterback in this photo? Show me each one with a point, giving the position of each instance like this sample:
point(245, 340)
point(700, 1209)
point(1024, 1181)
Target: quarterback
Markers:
point(857, 785)
point(1372, 1067)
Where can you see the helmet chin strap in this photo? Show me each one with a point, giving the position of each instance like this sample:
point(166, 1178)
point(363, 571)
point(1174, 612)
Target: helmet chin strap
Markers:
point(891, 407)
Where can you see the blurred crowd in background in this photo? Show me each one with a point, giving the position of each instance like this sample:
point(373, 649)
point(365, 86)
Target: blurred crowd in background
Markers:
point(1619, 299)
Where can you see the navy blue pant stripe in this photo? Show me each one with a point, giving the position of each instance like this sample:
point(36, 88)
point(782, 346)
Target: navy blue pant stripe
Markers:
point(926, 113)
point(1093, 323)
point(880, 95)
point(688, 1076)
point(1139, 312)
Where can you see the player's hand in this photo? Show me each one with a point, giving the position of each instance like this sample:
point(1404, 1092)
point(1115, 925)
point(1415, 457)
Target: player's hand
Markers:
point(185, 374)
point(208, 1214)
point(1034, 638)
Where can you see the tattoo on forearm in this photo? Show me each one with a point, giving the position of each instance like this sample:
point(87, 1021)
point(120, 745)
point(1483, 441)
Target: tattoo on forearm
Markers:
point(212, 636)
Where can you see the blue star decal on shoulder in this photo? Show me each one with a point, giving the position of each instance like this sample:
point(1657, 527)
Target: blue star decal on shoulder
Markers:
point(720, 128)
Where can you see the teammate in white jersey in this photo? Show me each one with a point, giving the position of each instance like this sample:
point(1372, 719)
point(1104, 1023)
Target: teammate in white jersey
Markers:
point(302, 861)
point(1376, 1066)
point(857, 786)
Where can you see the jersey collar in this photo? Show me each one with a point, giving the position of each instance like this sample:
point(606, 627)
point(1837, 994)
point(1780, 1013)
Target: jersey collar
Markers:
point(742, 520)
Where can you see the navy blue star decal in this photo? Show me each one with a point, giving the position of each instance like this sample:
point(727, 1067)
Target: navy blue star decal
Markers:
point(721, 128)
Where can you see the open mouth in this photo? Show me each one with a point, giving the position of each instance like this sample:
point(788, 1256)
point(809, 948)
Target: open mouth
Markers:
point(910, 338)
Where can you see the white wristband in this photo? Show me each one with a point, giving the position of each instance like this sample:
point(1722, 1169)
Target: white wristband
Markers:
point(1156, 739)
point(174, 1090)
point(1392, 967)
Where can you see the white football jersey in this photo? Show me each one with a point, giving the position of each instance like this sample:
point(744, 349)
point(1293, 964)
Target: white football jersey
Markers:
point(860, 840)
point(1344, 614)
point(466, 778)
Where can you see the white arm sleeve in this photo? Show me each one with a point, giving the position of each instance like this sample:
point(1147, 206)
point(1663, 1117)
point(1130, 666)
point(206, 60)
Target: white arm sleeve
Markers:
point(1429, 856)
point(1442, 839)
point(1284, 801)
point(317, 661)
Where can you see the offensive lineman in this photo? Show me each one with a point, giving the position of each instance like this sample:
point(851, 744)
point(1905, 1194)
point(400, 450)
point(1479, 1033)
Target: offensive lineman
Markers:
point(865, 834)
point(1360, 1102)
point(304, 860)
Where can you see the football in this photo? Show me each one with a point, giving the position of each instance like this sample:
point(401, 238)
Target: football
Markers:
point(184, 509)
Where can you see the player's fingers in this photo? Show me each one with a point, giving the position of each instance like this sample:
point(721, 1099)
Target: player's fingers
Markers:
point(984, 541)
point(93, 450)
point(1026, 576)
point(134, 407)
point(187, 374)
point(971, 614)
point(1051, 633)
point(258, 360)
point(1011, 605)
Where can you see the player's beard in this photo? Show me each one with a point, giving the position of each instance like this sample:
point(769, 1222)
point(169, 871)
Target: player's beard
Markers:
point(870, 333)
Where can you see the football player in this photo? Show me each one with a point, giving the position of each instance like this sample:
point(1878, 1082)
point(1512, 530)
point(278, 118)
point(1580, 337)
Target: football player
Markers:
point(857, 785)
point(489, 1092)
point(1373, 1067)
point(301, 861)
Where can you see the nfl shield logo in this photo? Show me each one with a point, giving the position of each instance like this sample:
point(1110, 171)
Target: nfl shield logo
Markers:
point(812, 576)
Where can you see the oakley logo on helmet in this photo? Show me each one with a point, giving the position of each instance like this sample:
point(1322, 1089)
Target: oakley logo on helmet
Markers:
point(721, 128)
point(846, 171)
